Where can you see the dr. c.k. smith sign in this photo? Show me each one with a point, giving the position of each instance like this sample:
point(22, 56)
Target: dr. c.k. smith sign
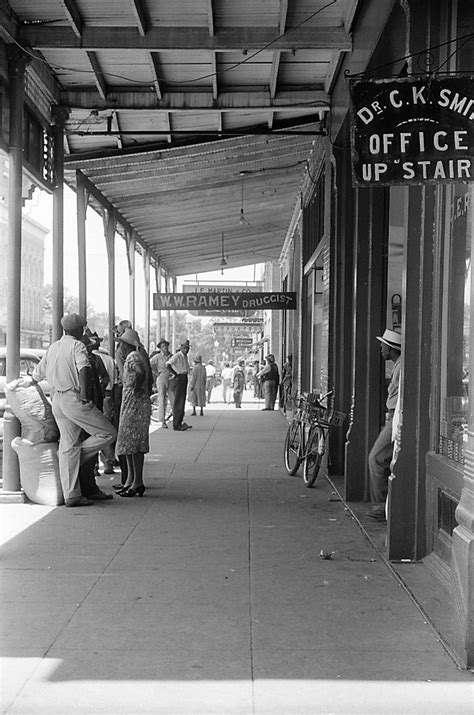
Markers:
point(412, 130)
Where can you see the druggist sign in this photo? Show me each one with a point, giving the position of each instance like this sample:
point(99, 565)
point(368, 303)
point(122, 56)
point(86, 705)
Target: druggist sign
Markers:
point(412, 131)
point(221, 288)
point(224, 301)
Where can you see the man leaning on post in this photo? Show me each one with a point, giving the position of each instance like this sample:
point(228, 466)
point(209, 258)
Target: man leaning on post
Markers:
point(381, 453)
point(65, 366)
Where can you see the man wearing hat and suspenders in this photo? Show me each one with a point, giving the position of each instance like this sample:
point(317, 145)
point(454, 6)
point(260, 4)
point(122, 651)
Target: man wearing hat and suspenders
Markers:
point(381, 453)
point(178, 365)
point(66, 365)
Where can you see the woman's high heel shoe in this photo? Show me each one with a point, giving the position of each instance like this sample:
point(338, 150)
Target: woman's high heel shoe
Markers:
point(119, 487)
point(139, 491)
point(123, 491)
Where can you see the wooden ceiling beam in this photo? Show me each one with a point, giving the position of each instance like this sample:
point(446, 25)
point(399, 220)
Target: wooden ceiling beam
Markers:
point(274, 74)
point(94, 38)
point(98, 74)
point(141, 16)
point(210, 17)
point(169, 136)
point(214, 75)
point(156, 73)
point(283, 16)
point(286, 99)
point(116, 127)
point(74, 16)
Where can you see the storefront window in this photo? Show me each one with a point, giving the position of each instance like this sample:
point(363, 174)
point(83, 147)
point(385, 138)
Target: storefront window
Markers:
point(456, 324)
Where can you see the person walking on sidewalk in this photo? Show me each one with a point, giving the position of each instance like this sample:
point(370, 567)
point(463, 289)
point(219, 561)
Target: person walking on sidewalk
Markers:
point(178, 365)
point(197, 386)
point(135, 411)
point(239, 383)
point(210, 379)
point(66, 367)
point(162, 378)
point(381, 453)
point(227, 374)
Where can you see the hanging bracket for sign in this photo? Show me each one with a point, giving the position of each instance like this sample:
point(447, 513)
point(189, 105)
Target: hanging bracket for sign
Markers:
point(413, 130)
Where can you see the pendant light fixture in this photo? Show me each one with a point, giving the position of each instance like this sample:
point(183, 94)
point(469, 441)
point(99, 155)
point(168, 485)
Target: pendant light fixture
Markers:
point(242, 215)
point(223, 258)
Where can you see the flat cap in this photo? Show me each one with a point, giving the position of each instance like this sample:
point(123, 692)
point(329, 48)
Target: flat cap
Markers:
point(163, 341)
point(71, 321)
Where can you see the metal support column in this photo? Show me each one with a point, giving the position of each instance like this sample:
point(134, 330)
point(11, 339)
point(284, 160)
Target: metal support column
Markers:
point(175, 342)
point(131, 242)
point(168, 315)
point(82, 199)
point(158, 312)
point(60, 116)
point(110, 224)
point(146, 271)
point(17, 63)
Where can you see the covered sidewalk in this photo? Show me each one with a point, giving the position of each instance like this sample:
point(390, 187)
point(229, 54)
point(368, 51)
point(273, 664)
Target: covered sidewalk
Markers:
point(209, 594)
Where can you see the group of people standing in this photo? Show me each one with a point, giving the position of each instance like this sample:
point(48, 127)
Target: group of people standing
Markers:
point(102, 405)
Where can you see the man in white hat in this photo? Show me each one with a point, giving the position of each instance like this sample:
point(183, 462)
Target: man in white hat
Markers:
point(381, 453)
point(66, 366)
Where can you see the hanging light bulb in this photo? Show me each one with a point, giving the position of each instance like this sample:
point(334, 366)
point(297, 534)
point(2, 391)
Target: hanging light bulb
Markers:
point(242, 215)
point(223, 258)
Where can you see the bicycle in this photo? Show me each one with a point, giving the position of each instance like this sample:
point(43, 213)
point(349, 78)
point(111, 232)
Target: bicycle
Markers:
point(154, 407)
point(307, 435)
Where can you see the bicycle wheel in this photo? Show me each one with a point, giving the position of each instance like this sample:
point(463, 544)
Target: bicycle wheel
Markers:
point(314, 456)
point(293, 448)
point(154, 408)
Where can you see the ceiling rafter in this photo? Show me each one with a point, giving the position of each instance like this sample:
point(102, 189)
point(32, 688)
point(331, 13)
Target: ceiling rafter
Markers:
point(169, 136)
point(156, 71)
point(141, 16)
point(214, 75)
point(277, 55)
point(184, 38)
point(74, 16)
point(210, 17)
point(257, 100)
point(98, 74)
point(116, 128)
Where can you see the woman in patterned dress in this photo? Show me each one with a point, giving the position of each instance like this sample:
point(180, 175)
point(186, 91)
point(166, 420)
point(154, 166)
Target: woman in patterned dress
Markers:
point(135, 411)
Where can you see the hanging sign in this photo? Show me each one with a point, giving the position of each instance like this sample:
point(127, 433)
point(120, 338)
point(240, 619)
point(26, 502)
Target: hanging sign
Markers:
point(221, 288)
point(412, 131)
point(224, 301)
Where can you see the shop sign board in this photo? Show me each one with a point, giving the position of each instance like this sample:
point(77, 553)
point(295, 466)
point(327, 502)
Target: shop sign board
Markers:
point(412, 130)
point(224, 302)
point(221, 288)
point(241, 342)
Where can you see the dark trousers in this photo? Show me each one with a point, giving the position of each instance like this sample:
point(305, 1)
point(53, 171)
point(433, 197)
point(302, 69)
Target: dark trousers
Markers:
point(180, 386)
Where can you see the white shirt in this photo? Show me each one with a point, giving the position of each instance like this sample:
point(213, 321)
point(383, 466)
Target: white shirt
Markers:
point(62, 364)
point(179, 362)
point(210, 370)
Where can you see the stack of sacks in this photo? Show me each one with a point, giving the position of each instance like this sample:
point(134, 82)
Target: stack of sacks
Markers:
point(37, 448)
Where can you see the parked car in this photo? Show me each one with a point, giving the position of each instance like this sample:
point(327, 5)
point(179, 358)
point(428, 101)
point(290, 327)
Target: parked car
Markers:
point(29, 358)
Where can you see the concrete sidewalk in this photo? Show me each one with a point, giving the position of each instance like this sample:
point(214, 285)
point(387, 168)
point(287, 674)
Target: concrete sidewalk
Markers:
point(208, 595)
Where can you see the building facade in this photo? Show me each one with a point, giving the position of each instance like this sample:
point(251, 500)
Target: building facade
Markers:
point(32, 269)
point(397, 254)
